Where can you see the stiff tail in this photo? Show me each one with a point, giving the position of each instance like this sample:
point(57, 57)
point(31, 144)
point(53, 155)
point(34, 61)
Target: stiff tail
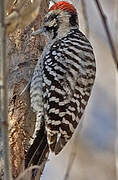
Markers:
point(39, 150)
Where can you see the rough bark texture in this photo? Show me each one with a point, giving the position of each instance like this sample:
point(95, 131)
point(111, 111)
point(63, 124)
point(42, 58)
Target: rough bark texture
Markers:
point(23, 53)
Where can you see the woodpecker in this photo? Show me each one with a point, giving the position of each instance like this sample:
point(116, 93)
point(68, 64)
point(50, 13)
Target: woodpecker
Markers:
point(63, 77)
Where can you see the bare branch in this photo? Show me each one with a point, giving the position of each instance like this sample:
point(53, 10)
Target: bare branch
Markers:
point(4, 94)
point(109, 36)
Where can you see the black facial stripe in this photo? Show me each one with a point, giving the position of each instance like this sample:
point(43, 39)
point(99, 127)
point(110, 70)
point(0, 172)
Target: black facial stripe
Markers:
point(53, 29)
point(48, 28)
point(73, 19)
point(51, 17)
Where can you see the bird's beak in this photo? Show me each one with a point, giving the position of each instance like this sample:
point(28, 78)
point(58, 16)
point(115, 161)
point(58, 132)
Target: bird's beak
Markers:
point(41, 30)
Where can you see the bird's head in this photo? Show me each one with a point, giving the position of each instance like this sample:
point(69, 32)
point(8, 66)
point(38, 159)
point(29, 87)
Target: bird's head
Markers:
point(61, 17)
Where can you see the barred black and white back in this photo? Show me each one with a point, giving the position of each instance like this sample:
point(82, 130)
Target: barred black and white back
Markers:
point(62, 83)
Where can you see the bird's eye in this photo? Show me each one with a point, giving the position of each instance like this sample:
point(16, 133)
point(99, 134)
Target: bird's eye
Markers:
point(53, 16)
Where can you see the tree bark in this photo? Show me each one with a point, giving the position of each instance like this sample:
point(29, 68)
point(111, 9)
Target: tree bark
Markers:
point(23, 53)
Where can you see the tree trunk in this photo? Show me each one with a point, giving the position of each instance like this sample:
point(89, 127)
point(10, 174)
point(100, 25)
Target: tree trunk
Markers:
point(23, 53)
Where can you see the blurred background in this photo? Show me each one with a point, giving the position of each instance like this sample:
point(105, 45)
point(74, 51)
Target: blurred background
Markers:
point(93, 148)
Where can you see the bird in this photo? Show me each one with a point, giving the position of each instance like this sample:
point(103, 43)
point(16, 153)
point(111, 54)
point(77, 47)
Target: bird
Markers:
point(63, 78)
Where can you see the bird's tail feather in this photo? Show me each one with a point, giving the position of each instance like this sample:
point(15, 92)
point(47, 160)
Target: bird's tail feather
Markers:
point(37, 152)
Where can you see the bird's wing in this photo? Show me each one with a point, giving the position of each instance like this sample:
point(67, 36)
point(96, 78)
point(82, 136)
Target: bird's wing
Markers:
point(62, 81)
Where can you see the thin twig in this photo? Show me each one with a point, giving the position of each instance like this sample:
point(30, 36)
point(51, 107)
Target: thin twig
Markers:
point(26, 87)
point(4, 94)
point(84, 12)
point(109, 36)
